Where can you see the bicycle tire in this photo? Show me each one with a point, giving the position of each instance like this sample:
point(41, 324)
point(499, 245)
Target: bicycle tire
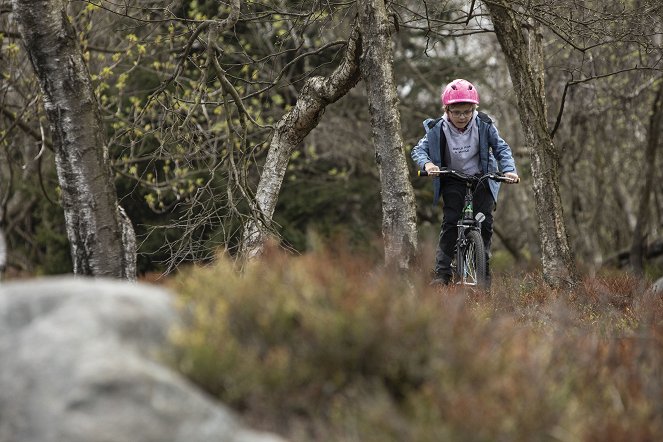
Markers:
point(471, 261)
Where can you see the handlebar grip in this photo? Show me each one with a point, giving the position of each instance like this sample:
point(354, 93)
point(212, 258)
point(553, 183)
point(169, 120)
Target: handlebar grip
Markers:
point(422, 173)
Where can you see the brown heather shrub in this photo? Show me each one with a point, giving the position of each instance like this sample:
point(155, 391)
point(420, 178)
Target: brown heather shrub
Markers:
point(329, 347)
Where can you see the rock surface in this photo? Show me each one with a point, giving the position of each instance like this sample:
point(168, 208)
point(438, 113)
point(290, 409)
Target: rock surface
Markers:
point(80, 362)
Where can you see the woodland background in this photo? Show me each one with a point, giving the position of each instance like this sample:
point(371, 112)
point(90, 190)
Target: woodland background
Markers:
point(190, 94)
point(138, 137)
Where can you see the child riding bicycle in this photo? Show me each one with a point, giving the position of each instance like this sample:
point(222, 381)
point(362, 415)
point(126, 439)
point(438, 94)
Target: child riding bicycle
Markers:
point(465, 140)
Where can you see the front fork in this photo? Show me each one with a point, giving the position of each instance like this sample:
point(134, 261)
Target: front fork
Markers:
point(467, 222)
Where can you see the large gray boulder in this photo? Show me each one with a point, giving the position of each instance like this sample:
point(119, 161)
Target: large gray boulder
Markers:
point(80, 361)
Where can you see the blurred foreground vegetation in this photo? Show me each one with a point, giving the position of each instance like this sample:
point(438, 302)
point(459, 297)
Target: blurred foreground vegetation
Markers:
point(329, 346)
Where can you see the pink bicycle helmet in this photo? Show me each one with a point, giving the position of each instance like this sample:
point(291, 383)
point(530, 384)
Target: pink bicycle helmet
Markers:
point(460, 91)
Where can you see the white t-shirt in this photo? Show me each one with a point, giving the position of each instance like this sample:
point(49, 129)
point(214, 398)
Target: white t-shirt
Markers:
point(462, 147)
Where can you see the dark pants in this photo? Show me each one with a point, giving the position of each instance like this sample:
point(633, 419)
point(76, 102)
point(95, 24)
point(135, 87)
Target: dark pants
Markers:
point(453, 197)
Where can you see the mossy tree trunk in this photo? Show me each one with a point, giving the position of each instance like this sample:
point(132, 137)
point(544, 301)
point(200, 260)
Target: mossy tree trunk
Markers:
point(101, 237)
point(399, 227)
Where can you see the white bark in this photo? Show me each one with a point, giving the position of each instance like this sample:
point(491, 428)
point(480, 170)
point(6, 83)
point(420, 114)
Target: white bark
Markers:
point(399, 228)
point(101, 243)
point(291, 129)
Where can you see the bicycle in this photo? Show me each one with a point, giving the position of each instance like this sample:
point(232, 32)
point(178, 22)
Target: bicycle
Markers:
point(469, 266)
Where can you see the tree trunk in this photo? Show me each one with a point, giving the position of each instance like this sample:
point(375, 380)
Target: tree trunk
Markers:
point(3, 251)
point(290, 130)
point(525, 60)
point(101, 237)
point(653, 140)
point(399, 227)
point(16, 203)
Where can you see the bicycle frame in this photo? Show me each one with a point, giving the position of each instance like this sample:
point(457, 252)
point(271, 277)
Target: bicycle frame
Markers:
point(466, 270)
point(470, 259)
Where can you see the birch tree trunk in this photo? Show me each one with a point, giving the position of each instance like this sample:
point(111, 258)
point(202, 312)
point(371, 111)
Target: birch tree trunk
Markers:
point(399, 228)
point(101, 237)
point(525, 60)
point(653, 142)
point(290, 130)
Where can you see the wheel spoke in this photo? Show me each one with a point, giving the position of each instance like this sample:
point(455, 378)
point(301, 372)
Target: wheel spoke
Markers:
point(470, 265)
point(470, 262)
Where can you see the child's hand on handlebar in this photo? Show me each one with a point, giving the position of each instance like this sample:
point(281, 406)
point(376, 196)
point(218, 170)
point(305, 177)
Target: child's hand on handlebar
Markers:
point(513, 176)
point(430, 167)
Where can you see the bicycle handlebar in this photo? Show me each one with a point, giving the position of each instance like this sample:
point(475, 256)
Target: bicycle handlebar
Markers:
point(495, 176)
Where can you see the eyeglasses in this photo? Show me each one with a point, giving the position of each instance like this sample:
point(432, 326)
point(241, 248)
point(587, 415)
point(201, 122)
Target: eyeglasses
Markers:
point(458, 114)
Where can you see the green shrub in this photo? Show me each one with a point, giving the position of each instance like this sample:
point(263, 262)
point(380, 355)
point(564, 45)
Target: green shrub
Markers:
point(330, 347)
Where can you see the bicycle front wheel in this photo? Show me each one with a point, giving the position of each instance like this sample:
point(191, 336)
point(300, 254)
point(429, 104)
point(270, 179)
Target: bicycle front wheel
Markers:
point(471, 261)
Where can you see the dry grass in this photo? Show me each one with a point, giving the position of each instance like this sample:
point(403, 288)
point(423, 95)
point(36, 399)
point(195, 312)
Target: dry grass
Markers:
point(329, 347)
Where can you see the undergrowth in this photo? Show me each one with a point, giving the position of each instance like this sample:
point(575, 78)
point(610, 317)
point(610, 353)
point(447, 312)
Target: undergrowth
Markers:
point(328, 347)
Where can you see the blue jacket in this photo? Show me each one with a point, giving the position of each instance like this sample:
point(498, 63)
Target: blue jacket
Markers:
point(494, 152)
